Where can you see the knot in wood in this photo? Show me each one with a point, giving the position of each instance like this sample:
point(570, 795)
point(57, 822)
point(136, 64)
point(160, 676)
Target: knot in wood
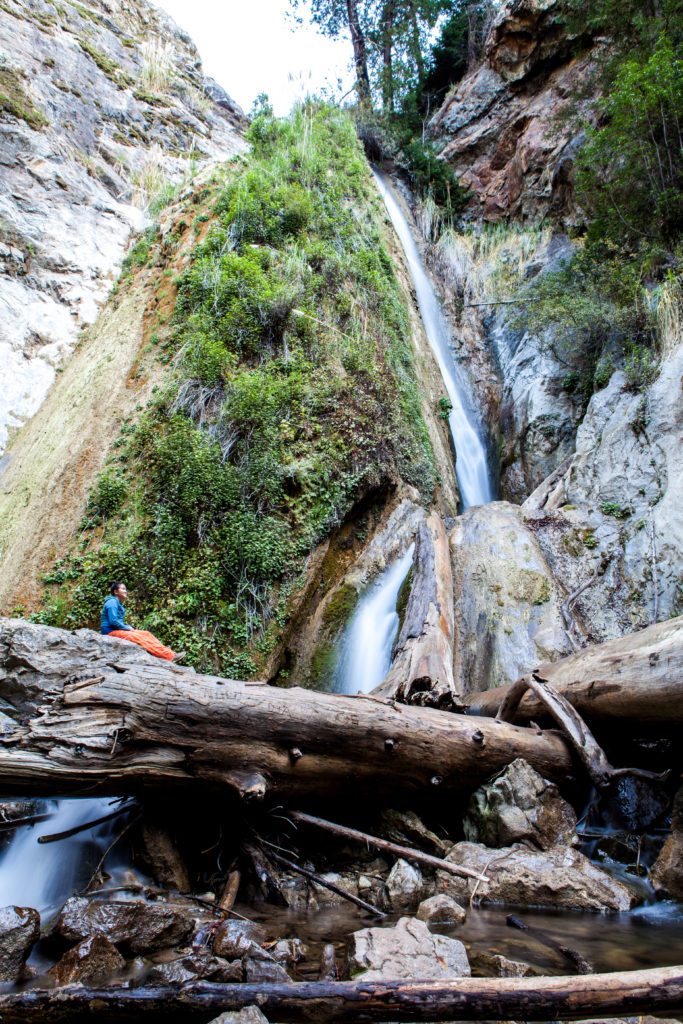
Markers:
point(478, 737)
point(295, 754)
point(389, 744)
point(436, 780)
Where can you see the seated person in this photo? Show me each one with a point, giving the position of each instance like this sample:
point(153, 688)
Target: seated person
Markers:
point(113, 624)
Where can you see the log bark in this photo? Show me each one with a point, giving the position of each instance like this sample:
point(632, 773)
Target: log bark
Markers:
point(637, 677)
point(422, 670)
point(136, 724)
point(624, 993)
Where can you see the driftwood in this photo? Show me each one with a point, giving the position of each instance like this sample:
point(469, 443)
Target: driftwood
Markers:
point(624, 993)
point(422, 670)
point(637, 677)
point(135, 723)
point(406, 852)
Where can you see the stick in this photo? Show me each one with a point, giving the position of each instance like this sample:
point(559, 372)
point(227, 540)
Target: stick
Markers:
point(622, 993)
point(229, 894)
point(32, 819)
point(328, 885)
point(56, 836)
point(406, 852)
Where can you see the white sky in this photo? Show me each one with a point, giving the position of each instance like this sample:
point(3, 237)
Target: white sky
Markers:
point(249, 47)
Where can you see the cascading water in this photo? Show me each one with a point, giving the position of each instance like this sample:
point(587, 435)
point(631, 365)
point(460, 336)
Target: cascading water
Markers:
point(472, 472)
point(367, 645)
point(44, 875)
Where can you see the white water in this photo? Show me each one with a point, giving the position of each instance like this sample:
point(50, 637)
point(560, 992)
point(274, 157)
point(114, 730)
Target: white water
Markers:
point(368, 642)
point(471, 467)
point(44, 875)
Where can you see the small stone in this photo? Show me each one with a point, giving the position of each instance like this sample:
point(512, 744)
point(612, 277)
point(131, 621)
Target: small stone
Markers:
point(264, 971)
point(498, 966)
point(93, 960)
point(407, 950)
point(404, 886)
point(288, 951)
point(249, 1015)
point(235, 939)
point(19, 929)
point(441, 909)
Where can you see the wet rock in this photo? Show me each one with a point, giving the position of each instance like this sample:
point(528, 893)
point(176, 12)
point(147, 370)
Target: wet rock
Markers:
point(288, 951)
point(197, 965)
point(234, 939)
point(507, 604)
point(249, 1015)
point(404, 886)
point(19, 929)
point(518, 805)
point(441, 909)
point(406, 828)
point(560, 877)
point(496, 965)
point(135, 925)
point(638, 803)
point(264, 972)
point(91, 961)
point(667, 872)
point(408, 950)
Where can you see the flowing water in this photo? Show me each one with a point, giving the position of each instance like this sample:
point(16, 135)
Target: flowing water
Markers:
point(44, 875)
point(471, 468)
point(367, 644)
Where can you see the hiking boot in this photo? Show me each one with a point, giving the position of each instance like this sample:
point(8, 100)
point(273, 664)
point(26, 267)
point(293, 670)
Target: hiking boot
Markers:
point(179, 657)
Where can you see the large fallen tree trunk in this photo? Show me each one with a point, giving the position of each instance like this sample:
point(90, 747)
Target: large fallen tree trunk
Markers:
point(639, 677)
point(568, 998)
point(88, 712)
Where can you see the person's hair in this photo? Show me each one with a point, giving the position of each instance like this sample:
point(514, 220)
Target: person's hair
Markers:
point(113, 587)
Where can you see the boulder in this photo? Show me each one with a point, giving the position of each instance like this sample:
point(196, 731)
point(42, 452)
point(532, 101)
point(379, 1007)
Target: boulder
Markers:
point(263, 972)
point(516, 806)
point(92, 961)
point(667, 872)
point(249, 1015)
point(561, 878)
point(19, 929)
point(197, 965)
point(507, 604)
point(441, 909)
point(404, 886)
point(235, 939)
point(498, 966)
point(135, 925)
point(406, 950)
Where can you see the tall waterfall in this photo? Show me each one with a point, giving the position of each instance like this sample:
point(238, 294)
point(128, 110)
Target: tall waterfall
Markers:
point(471, 470)
point(368, 642)
point(44, 875)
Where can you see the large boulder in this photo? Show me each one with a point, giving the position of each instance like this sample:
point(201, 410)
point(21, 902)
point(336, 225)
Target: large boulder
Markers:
point(560, 878)
point(667, 872)
point(19, 929)
point(519, 805)
point(407, 950)
point(135, 925)
point(507, 604)
point(92, 961)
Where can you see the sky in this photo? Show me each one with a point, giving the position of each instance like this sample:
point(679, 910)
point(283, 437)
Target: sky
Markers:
point(250, 47)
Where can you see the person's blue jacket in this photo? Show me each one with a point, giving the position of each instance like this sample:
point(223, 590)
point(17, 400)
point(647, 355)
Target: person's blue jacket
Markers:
point(113, 615)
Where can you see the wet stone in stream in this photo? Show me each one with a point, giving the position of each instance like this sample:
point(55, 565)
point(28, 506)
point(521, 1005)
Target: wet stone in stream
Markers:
point(19, 930)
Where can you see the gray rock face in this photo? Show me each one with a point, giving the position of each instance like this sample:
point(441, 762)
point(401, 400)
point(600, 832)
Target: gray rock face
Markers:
point(614, 517)
point(134, 925)
point(560, 877)
point(519, 805)
point(114, 100)
point(408, 950)
point(92, 961)
point(667, 871)
point(441, 909)
point(507, 604)
point(404, 886)
point(19, 929)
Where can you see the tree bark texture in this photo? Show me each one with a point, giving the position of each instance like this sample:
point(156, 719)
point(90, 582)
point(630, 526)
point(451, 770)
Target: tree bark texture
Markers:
point(624, 993)
point(82, 711)
point(637, 677)
point(359, 54)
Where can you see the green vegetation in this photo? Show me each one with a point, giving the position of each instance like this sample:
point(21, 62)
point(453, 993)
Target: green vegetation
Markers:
point(14, 99)
point(109, 67)
point(292, 398)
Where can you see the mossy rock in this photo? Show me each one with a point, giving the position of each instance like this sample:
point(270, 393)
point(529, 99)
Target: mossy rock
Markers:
point(15, 100)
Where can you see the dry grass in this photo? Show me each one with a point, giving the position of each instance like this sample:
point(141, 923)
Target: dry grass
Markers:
point(668, 306)
point(157, 64)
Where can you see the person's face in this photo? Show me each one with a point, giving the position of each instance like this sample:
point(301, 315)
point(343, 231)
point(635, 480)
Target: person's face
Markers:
point(122, 593)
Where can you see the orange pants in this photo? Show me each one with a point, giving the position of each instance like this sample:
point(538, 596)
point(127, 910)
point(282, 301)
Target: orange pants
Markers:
point(146, 640)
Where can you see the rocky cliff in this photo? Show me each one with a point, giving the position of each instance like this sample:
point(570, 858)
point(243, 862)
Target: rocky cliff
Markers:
point(103, 108)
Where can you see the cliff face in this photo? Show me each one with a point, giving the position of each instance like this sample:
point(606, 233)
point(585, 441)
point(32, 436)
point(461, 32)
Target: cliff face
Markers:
point(103, 107)
point(502, 128)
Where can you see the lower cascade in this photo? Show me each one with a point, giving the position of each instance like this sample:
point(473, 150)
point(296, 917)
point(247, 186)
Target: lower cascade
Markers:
point(367, 644)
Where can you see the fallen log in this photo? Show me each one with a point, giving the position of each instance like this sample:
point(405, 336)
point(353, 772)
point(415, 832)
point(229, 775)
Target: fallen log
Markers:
point(637, 677)
point(135, 724)
point(624, 993)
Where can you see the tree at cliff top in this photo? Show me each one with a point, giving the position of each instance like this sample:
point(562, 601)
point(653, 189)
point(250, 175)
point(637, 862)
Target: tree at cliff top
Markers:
point(293, 398)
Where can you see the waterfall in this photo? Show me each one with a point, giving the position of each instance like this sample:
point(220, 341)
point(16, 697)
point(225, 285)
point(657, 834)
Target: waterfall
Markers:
point(471, 470)
point(44, 875)
point(368, 642)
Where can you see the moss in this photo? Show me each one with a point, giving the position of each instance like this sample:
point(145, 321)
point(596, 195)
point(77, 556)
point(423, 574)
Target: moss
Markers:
point(109, 67)
point(14, 100)
point(339, 609)
point(529, 586)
